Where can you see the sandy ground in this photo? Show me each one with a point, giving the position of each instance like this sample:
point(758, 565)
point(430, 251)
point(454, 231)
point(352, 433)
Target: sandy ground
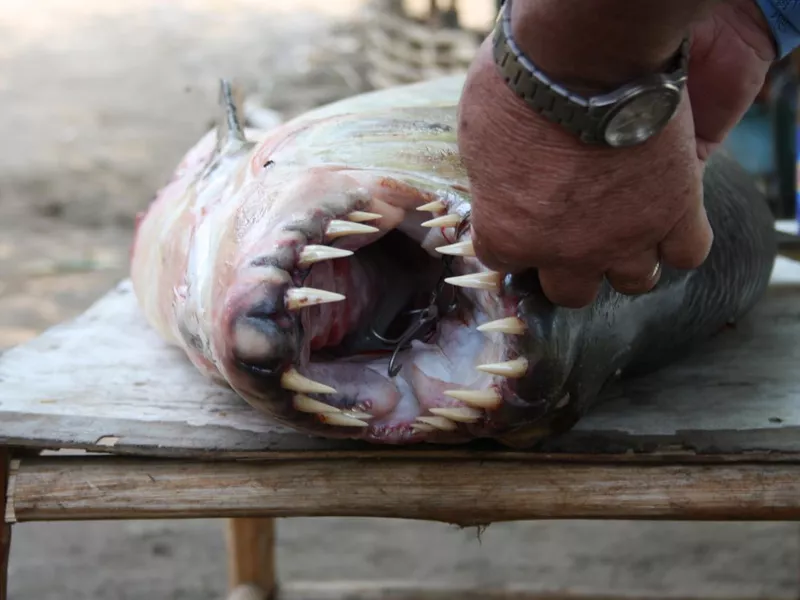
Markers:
point(97, 103)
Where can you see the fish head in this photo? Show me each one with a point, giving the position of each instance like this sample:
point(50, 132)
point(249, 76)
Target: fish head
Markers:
point(350, 302)
point(326, 273)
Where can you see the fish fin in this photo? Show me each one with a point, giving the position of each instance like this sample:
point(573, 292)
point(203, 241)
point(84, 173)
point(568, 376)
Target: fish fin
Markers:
point(230, 132)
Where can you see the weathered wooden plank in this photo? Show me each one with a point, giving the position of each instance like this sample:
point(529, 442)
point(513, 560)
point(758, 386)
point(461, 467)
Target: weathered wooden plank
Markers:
point(404, 590)
point(476, 492)
point(106, 382)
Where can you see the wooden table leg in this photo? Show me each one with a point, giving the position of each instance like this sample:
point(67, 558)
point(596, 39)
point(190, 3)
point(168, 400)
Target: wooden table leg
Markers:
point(5, 528)
point(251, 557)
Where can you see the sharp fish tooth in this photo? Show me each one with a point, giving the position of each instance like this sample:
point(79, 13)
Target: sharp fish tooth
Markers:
point(458, 249)
point(510, 325)
point(422, 428)
point(513, 368)
point(313, 254)
point(485, 280)
point(297, 298)
point(292, 380)
point(305, 404)
point(462, 414)
point(343, 420)
point(433, 207)
point(438, 422)
point(450, 220)
point(358, 216)
point(477, 398)
point(357, 414)
point(338, 229)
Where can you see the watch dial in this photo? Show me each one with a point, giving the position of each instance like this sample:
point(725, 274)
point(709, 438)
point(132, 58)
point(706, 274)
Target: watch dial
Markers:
point(641, 117)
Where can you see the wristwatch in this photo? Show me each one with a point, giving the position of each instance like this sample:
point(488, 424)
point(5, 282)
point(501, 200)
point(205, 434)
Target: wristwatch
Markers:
point(627, 116)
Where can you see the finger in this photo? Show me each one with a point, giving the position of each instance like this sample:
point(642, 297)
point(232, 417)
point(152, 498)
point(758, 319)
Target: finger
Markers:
point(485, 252)
point(568, 288)
point(494, 251)
point(636, 275)
point(687, 245)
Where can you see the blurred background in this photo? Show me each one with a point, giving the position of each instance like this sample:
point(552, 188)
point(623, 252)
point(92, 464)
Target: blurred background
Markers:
point(99, 100)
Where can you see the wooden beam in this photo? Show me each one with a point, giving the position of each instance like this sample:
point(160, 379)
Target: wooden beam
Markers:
point(251, 554)
point(5, 528)
point(462, 492)
point(380, 590)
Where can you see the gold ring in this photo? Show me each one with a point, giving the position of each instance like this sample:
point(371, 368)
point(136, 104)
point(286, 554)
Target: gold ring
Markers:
point(656, 271)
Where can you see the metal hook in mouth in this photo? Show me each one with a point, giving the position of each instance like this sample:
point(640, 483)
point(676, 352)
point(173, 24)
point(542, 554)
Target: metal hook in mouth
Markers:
point(427, 316)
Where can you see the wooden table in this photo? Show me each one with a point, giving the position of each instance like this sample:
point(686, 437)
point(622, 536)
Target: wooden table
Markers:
point(716, 437)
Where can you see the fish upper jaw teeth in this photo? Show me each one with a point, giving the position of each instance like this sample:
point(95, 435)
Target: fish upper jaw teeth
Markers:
point(337, 229)
point(464, 248)
point(436, 206)
point(451, 220)
point(358, 216)
point(297, 298)
point(312, 254)
point(484, 280)
point(513, 369)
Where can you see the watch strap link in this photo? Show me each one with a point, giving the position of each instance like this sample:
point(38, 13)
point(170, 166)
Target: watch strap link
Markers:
point(581, 116)
point(547, 98)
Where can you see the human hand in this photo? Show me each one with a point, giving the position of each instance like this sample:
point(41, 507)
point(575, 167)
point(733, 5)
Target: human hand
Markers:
point(542, 199)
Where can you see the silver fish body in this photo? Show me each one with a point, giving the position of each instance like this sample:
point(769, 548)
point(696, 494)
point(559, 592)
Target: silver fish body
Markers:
point(324, 270)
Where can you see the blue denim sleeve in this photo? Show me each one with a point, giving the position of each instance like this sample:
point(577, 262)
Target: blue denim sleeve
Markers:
point(783, 17)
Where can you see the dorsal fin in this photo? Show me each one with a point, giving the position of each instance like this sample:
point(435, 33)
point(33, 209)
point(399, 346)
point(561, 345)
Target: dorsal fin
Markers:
point(230, 133)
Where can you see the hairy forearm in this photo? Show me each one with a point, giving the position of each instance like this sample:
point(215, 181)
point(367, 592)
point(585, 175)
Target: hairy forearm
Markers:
point(599, 43)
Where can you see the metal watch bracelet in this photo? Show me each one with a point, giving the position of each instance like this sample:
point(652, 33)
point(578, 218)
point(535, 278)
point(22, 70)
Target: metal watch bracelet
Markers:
point(581, 116)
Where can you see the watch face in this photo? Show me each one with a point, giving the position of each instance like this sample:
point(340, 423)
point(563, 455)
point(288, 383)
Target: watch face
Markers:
point(641, 116)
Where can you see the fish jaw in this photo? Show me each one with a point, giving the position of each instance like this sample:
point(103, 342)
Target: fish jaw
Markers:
point(274, 268)
point(295, 298)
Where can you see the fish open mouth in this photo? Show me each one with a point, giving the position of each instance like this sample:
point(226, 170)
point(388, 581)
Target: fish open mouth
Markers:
point(370, 317)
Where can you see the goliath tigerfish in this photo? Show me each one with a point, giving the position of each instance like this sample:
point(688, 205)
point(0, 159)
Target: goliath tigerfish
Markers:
point(324, 270)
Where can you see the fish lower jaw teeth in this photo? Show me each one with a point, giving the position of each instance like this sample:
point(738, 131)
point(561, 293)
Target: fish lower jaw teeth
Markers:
point(293, 381)
point(422, 428)
point(485, 399)
point(303, 403)
point(513, 368)
point(461, 414)
point(440, 423)
point(342, 420)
